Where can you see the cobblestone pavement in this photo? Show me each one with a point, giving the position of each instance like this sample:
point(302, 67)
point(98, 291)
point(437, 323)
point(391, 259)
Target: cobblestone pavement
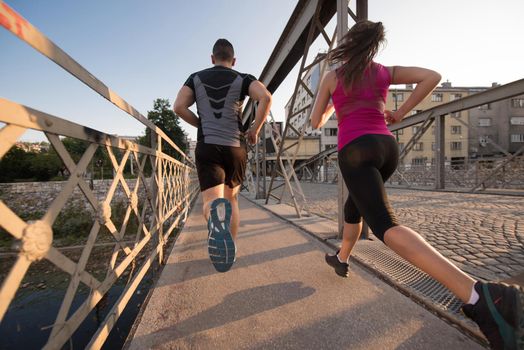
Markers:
point(481, 233)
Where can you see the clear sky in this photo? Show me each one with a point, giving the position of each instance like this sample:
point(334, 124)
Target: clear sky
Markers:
point(146, 49)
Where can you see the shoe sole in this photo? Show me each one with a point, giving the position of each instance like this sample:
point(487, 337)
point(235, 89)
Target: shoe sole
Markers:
point(221, 247)
point(519, 331)
point(344, 274)
point(513, 338)
point(520, 318)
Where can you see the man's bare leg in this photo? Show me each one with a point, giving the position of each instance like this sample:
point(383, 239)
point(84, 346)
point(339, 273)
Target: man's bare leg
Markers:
point(210, 195)
point(232, 195)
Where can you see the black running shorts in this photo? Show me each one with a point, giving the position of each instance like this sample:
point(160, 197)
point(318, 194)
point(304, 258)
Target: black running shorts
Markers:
point(217, 164)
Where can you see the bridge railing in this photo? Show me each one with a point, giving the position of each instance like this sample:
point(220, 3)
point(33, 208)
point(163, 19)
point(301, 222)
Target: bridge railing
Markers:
point(309, 20)
point(155, 203)
point(484, 156)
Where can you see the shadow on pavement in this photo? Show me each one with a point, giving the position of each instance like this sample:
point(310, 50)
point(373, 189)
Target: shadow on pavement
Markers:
point(191, 269)
point(235, 306)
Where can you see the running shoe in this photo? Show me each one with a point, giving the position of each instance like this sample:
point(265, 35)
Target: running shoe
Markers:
point(342, 269)
point(221, 247)
point(499, 314)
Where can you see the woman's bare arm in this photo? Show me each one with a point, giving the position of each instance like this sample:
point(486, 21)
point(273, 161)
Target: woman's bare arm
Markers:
point(426, 80)
point(322, 109)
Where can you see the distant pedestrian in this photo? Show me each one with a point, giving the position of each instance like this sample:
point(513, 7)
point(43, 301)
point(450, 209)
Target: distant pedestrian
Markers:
point(221, 153)
point(368, 155)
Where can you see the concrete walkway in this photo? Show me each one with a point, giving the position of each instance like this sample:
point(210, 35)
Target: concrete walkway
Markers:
point(280, 294)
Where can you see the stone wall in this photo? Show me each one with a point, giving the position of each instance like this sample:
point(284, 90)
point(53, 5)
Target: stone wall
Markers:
point(38, 196)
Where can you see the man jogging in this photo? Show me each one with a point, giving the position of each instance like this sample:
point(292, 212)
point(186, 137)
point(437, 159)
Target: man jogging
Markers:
point(221, 153)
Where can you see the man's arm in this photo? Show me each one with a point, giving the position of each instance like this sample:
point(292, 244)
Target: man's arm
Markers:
point(259, 93)
point(184, 100)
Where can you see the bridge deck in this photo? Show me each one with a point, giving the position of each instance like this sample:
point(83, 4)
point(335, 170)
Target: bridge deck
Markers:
point(279, 294)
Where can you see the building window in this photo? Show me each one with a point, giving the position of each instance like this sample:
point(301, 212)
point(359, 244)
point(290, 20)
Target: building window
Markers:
point(517, 102)
point(398, 96)
point(330, 131)
point(517, 121)
point(418, 161)
point(329, 146)
point(416, 111)
point(436, 97)
point(433, 146)
point(456, 129)
point(415, 129)
point(517, 137)
point(401, 146)
point(454, 97)
point(456, 146)
point(455, 115)
point(485, 107)
point(484, 121)
point(419, 146)
point(400, 132)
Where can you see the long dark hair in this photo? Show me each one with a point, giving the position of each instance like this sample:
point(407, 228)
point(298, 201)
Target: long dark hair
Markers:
point(356, 51)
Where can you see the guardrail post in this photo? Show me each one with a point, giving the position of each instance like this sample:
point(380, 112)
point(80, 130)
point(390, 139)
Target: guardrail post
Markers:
point(156, 187)
point(264, 164)
point(362, 9)
point(440, 151)
point(342, 28)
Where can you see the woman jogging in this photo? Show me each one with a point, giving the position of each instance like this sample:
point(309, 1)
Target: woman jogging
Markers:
point(368, 156)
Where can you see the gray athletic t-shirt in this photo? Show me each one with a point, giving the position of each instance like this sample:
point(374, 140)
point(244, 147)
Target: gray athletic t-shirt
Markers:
point(219, 95)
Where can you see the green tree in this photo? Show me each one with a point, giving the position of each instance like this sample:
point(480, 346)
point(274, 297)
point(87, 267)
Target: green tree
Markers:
point(14, 165)
point(163, 116)
point(18, 164)
point(77, 148)
point(45, 165)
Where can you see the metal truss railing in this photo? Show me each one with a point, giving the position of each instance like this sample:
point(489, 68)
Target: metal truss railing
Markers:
point(307, 21)
point(472, 174)
point(159, 199)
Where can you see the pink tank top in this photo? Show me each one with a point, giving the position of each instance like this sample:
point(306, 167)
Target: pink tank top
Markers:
point(361, 111)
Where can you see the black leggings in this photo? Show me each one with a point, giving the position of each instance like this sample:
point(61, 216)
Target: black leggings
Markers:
point(366, 163)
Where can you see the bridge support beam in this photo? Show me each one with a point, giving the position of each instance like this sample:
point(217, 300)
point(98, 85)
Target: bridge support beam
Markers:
point(342, 28)
point(440, 150)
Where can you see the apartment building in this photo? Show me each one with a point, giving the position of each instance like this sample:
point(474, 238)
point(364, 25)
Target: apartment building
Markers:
point(497, 127)
point(302, 103)
point(191, 147)
point(493, 128)
point(328, 133)
point(456, 130)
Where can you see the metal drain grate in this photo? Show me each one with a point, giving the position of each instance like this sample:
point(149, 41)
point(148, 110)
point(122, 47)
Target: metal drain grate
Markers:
point(382, 260)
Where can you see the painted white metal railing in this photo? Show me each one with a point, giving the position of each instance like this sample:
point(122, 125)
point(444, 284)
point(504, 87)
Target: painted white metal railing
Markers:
point(159, 198)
